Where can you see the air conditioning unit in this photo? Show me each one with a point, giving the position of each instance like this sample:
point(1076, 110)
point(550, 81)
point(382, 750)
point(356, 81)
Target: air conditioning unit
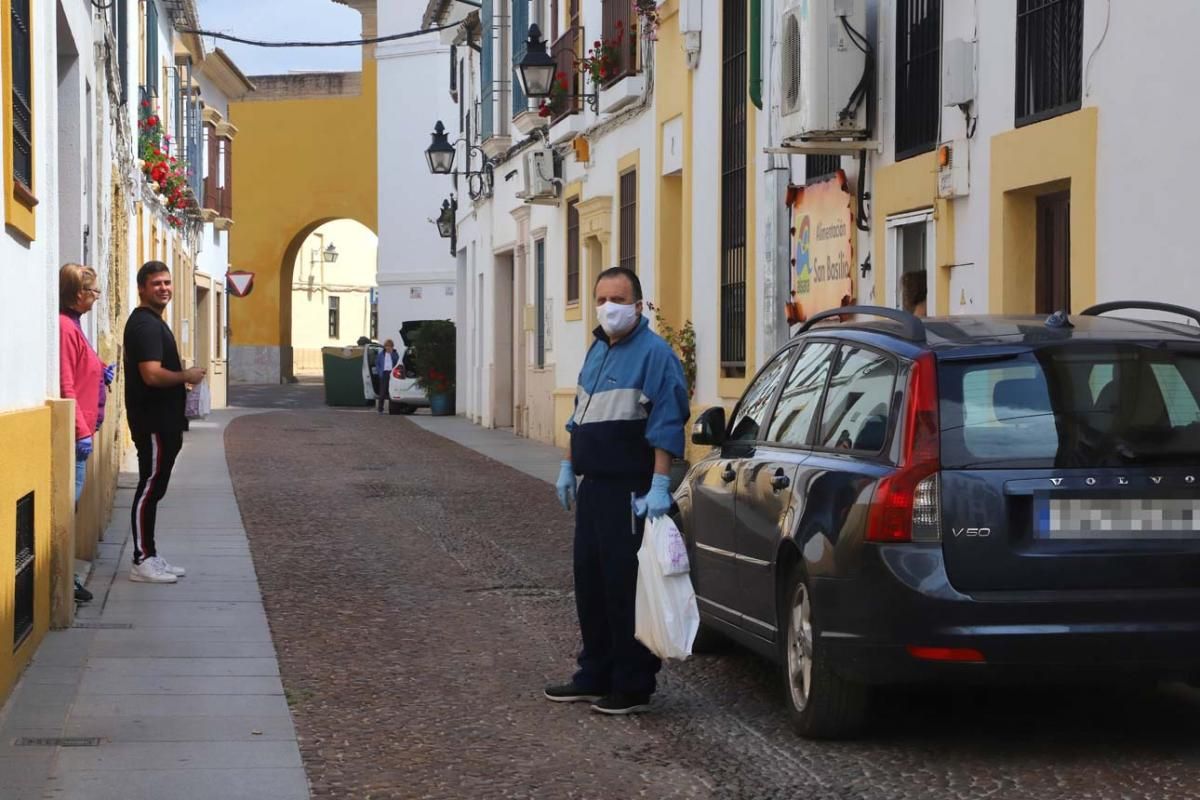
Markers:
point(823, 92)
point(542, 182)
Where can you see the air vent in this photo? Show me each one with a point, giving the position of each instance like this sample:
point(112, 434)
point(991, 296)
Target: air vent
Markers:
point(23, 596)
point(791, 62)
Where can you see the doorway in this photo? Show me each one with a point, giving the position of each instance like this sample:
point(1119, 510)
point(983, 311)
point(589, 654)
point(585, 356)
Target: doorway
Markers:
point(1053, 283)
point(502, 339)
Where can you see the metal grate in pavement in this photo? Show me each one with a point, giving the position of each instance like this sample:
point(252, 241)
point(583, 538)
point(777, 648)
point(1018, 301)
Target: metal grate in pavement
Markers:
point(107, 626)
point(58, 741)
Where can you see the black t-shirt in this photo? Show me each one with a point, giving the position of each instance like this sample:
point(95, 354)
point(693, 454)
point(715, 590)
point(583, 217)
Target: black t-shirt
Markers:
point(152, 410)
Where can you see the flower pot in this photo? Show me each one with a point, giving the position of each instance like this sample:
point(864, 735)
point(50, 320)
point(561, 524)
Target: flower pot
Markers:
point(442, 405)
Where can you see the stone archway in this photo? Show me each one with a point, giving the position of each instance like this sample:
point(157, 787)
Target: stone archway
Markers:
point(306, 154)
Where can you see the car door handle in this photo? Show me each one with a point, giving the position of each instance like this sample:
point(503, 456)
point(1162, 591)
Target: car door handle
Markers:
point(728, 475)
point(780, 481)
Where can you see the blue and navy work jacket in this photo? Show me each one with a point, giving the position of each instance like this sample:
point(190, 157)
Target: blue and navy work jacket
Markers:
point(631, 399)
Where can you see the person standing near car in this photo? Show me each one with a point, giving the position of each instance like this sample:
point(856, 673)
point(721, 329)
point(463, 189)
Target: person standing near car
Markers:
point(385, 362)
point(154, 399)
point(631, 407)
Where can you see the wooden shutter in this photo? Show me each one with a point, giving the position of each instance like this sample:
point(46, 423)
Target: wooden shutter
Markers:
point(486, 71)
point(227, 192)
point(212, 162)
point(520, 32)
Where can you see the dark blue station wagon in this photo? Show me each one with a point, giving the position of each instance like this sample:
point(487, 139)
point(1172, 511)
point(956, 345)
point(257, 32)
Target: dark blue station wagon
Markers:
point(971, 497)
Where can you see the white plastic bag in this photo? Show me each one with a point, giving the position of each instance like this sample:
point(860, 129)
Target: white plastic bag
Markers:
point(666, 616)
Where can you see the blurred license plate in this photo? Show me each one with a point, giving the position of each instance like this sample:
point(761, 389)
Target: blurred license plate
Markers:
point(1123, 518)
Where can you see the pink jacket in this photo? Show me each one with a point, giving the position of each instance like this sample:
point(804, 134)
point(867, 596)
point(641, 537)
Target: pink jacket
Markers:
point(81, 374)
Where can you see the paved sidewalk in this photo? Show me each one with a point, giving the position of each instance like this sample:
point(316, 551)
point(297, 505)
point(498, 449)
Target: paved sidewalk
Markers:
point(178, 683)
point(534, 458)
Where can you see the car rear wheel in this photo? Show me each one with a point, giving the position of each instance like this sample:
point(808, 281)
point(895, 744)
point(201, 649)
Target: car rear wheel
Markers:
point(821, 704)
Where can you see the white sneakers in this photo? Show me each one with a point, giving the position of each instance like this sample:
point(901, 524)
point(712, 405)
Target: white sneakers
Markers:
point(178, 572)
point(155, 570)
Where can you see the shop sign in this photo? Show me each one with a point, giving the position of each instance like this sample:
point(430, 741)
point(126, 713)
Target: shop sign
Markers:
point(822, 247)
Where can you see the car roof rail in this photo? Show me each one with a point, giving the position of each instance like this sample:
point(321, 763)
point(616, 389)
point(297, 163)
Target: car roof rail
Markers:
point(1141, 305)
point(913, 328)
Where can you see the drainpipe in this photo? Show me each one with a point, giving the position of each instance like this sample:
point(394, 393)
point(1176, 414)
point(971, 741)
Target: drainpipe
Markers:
point(756, 53)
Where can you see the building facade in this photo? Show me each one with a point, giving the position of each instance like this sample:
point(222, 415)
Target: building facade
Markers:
point(86, 90)
point(758, 161)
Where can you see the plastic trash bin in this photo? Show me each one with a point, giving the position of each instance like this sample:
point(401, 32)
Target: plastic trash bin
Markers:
point(343, 376)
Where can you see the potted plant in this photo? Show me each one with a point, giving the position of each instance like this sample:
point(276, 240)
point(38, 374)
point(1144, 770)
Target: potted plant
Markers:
point(434, 343)
point(683, 342)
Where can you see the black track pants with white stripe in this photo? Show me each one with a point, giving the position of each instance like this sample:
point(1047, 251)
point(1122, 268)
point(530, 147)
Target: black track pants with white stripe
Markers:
point(156, 458)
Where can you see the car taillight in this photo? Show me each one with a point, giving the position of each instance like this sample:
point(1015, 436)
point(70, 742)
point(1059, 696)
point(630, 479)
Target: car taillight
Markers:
point(398, 373)
point(907, 503)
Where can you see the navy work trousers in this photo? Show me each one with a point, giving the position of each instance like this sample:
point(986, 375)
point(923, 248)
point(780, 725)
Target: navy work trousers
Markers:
point(607, 538)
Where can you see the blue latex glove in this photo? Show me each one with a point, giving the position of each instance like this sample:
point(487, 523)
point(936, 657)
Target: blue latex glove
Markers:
point(110, 372)
point(566, 485)
point(83, 447)
point(657, 501)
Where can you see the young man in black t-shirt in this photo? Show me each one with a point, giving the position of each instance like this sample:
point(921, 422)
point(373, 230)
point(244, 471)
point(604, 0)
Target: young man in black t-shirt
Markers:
point(154, 403)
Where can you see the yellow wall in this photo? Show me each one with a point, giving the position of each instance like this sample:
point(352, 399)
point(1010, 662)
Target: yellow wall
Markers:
point(911, 185)
point(672, 216)
point(1057, 154)
point(27, 433)
point(297, 164)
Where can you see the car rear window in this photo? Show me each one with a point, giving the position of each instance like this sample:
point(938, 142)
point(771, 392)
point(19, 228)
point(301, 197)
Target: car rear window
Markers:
point(1072, 407)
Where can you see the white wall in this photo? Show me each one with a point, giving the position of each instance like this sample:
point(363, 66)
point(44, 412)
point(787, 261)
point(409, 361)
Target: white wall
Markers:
point(350, 279)
point(413, 94)
point(1141, 78)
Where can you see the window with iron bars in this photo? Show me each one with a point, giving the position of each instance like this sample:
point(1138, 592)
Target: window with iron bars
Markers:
point(817, 167)
point(335, 323)
point(918, 74)
point(21, 101)
point(628, 220)
point(572, 252)
point(733, 189)
point(1049, 59)
point(619, 33)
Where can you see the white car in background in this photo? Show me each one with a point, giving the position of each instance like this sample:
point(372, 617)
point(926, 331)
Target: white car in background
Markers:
point(404, 395)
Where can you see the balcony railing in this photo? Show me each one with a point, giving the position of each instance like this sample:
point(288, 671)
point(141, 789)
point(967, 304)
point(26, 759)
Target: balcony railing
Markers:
point(566, 51)
point(620, 31)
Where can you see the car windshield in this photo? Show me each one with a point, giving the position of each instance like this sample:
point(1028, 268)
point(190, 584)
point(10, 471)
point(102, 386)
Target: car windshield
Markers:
point(1072, 406)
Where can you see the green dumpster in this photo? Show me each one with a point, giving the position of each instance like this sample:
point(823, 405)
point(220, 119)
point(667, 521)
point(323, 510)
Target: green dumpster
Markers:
point(343, 376)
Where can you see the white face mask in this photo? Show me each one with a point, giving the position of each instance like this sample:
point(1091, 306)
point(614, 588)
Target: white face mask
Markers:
point(616, 318)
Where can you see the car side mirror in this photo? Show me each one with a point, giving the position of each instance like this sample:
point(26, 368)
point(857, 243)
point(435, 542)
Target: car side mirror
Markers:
point(709, 427)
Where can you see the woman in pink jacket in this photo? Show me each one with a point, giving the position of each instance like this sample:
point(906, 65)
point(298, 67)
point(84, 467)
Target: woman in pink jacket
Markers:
point(82, 375)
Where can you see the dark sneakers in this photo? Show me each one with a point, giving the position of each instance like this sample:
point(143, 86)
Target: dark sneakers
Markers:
point(570, 693)
point(619, 703)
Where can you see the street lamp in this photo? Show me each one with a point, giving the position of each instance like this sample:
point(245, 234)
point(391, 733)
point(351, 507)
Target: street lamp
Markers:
point(447, 223)
point(537, 68)
point(440, 153)
point(445, 220)
point(330, 254)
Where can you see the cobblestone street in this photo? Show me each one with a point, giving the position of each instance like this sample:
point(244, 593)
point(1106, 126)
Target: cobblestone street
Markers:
point(419, 596)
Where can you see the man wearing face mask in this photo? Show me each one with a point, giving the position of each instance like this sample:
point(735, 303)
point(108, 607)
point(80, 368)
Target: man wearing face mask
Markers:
point(631, 407)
